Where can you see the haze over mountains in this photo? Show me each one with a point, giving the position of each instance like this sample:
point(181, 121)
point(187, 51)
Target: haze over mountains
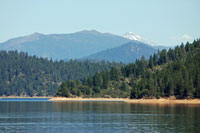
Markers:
point(84, 44)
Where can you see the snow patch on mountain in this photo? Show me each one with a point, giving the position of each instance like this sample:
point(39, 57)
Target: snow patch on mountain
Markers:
point(133, 36)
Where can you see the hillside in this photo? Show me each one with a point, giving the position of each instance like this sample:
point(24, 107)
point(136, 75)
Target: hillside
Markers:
point(64, 46)
point(24, 75)
point(126, 53)
point(175, 72)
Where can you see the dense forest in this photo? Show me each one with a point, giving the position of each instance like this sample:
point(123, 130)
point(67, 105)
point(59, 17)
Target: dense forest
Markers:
point(25, 75)
point(175, 72)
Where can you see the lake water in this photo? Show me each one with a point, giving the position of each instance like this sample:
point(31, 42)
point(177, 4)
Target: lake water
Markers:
point(41, 115)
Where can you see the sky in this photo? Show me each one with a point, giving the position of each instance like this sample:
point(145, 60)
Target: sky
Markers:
point(162, 22)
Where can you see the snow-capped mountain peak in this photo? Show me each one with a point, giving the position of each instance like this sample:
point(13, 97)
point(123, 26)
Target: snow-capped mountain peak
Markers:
point(132, 36)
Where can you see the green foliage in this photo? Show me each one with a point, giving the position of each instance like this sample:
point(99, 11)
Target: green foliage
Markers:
point(124, 86)
point(21, 74)
point(134, 93)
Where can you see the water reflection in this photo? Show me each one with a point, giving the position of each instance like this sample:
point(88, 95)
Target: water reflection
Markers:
point(97, 116)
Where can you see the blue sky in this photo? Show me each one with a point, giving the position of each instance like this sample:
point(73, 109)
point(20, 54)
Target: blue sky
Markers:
point(163, 22)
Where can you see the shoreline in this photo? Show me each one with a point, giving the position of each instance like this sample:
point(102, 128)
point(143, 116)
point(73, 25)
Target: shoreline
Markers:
point(24, 97)
point(87, 99)
point(132, 101)
point(126, 100)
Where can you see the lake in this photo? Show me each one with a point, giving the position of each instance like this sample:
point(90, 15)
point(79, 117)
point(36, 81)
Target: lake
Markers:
point(41, 115)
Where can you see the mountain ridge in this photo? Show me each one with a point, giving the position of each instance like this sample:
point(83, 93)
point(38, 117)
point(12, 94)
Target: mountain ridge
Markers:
point(125, 53)
point(64, 46)
point(77, 45)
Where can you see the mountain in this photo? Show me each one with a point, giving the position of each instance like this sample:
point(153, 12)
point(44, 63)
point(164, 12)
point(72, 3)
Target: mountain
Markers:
point(125, 53)
point(163, 47)
point(133, 36)
point(64, 46)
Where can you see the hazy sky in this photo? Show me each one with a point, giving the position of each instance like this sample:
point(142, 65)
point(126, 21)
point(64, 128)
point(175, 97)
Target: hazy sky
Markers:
point(164, 22)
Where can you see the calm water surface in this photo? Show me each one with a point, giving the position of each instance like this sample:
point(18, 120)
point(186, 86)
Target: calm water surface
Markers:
point(40, 115)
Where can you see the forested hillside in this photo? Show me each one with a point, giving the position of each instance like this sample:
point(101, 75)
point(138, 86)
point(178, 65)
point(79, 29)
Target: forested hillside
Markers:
point(175, 72)
point(25, 75)
point(126, 53)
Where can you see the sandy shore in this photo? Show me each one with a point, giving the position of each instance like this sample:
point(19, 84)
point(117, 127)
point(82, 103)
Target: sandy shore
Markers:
point(134, 101)
point(163, 101)
point(86, 99)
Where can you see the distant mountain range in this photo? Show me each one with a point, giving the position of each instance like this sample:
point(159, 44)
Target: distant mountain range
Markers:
point(89, 44)
point(64, 46)
point(125, 53)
